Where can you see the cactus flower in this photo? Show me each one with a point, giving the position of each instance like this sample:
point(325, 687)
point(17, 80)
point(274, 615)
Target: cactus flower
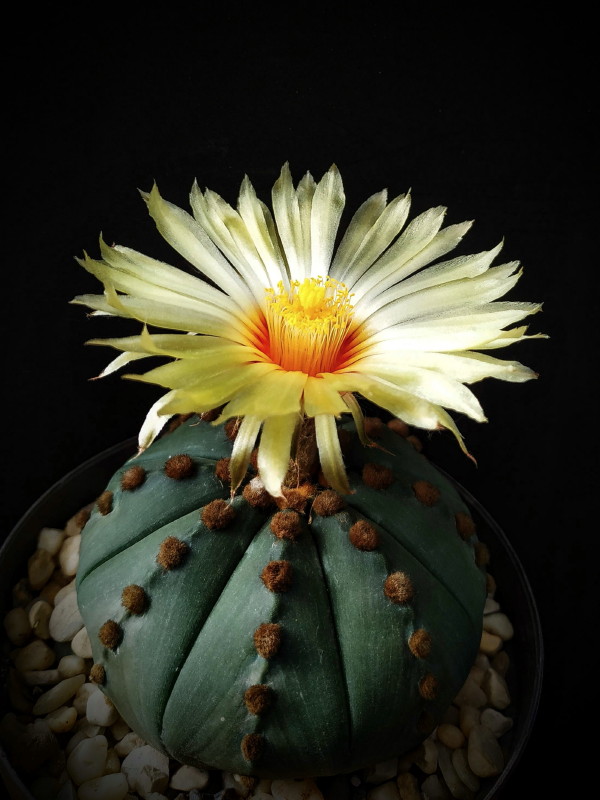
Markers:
point(290, 319)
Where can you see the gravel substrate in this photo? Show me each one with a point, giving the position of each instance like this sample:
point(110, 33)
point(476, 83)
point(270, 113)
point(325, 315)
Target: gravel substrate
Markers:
point(67, 740)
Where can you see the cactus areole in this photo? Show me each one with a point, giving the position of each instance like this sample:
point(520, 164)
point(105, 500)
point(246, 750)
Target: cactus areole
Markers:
point(312, 634)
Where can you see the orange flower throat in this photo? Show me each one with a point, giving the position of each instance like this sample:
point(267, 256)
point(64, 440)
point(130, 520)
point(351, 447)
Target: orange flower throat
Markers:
point(308, 325)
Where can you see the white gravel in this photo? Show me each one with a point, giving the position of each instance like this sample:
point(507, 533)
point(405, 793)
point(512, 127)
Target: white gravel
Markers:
point(81, 749)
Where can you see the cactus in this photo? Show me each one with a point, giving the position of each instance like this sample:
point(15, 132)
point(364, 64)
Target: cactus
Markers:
point(306, 635)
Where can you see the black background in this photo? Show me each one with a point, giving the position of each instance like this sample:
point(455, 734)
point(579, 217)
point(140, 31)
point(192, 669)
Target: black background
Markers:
point(488, 115)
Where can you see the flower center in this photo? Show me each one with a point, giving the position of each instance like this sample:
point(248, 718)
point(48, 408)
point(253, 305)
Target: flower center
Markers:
point(308, 324)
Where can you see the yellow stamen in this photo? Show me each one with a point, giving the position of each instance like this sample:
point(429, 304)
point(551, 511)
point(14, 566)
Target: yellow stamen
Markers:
point(308, 324)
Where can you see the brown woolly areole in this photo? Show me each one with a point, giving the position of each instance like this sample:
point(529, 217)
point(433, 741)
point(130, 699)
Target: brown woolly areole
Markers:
point(267, 639)
point(172, 552)
point(419, 643)
point(179, 467)
point(217, 514)
point(296, 499)
point(81, 517)
point(464, 525)
point(377, 476)
point(104, 503)
point(398, 587)
point(97, 674)
point(210, 416)
point(428, 687)
point(426, 492)
point(177, 421)
point(363, 535)
point(134, 599)
point(286, 525)
point(110, 634)
point(373, 427)
point(482, 554)
point(249, 781)
point(222, 470)
point(255, 494)
point(399, 427)
point(416, 442)
point(132, 478)
point(258, 698)
point(232, 427)
point(277, 576)
point(252, 746)
point(327, 503)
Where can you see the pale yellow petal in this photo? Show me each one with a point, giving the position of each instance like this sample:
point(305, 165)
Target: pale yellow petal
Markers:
point(243, 445)
point(326, 212)
point(120, 361)
point(191, 241)
point(156, 419)
point(278, 392)
point(321, 398)
point(370, 232)
point(274, 451)
point(330, 453)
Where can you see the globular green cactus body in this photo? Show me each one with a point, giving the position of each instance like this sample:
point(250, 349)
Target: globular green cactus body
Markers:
point(311, 637)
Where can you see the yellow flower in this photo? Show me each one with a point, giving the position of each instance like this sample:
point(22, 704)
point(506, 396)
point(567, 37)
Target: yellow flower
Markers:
point(285, 325)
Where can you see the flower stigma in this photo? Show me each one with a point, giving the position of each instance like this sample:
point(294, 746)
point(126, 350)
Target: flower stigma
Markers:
point(308, 324)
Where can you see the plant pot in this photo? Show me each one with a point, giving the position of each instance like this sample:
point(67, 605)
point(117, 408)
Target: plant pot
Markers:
point(81, 486)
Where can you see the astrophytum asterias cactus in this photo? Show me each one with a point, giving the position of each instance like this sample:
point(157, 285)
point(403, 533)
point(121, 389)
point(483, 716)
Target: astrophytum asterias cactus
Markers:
point(310, 634)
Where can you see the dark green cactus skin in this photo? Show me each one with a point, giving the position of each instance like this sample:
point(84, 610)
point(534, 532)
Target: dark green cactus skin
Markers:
point(344, 682)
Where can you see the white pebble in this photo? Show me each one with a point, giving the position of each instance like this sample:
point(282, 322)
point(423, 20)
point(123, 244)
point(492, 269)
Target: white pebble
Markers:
point(119, 729)
point(62, 719)
point(469, 717)
point(464, 771)
point(41, 677)
point(128, 743)
point(50, 539)
point(66, 620)
point(385, 791)
point(146, 769)
point(87, 760)
point(450, 776)
point(68, 557)
point(496, 690)
point(81, 645)
point(290, 789)
point(107, 787)
point(497, 722)
point(450, 735)
point(17, 626)
point(491, 606)
point(490, 643)
point(40, 567)
point(408, 786)
point(186, 778)
point(85, 691)
point(39, 618)
point(113, 762)
point(383, 771)
point(100, 710)
point(71, 665)
point(77, 737)
point(58, 695)
point(428, 756)
point(35, 655)
point(64, 591)
point(471, 694)
point(500, 625)
point(484, 753)
point(433, 789)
